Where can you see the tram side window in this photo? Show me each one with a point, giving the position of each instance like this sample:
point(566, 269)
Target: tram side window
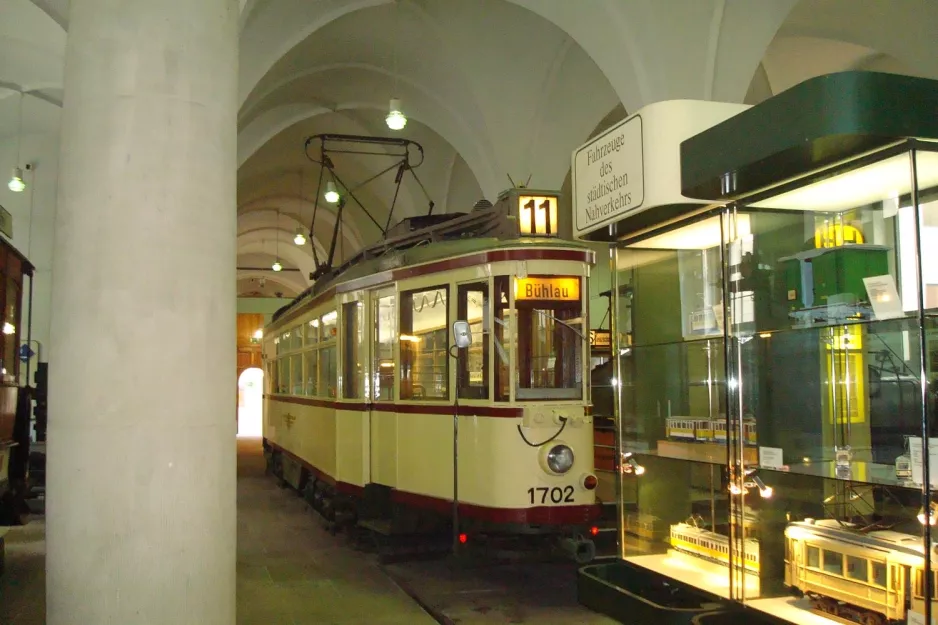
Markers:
point(385, 314)
point(296, 374)
point(550, 337)
point(353, 350)
point(312, 373)
point(879, 573)
point(424, 343)
point(813, 557)
point(11, 330)
point(283, 376)
point(328, 378)
point(328, 370)
point(833, 562)
point(503, 338)
point(472, 372)
point(857, 569)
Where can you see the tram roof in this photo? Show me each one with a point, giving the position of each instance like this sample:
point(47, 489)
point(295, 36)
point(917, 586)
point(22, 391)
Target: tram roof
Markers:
point(420, 255)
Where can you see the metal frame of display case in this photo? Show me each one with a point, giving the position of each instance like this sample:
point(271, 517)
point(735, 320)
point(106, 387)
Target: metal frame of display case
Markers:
point(817, 130)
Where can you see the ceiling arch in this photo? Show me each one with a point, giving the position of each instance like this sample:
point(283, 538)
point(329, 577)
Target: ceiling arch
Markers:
point(824, 36)
point(280, 27)
point(357, 92)
point(284, 237)
point(250, 281)
point(289, 254)
point(259, 211)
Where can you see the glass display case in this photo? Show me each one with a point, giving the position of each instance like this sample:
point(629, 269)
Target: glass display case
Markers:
point(780, 413)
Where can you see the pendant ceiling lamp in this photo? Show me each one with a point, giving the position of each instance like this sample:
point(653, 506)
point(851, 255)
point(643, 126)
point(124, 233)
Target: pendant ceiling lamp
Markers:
point(277, 266)
point(16, 183)
point(396, 119)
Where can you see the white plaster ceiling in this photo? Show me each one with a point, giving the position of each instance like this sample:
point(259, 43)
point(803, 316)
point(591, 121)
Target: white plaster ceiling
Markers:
point(491, 87)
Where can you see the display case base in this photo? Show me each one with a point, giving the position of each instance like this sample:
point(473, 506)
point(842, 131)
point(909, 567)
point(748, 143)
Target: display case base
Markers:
point(631, 594)
point(702, 452)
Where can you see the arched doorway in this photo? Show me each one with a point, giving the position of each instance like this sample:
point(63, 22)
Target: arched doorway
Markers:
point(250, 403)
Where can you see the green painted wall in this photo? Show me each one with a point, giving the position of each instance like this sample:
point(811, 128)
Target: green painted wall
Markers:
point(266, 306)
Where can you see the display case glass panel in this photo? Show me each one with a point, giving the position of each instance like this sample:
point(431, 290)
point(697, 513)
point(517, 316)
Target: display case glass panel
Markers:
point(776, 400)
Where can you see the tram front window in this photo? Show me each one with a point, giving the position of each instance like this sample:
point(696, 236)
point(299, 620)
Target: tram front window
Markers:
point(550, 334)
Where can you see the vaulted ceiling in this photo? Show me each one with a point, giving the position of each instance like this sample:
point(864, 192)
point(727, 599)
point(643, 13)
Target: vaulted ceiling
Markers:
point(492, 88)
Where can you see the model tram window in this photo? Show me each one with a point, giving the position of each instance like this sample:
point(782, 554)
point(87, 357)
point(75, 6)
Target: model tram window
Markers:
point(833, 562)
point(354, 350)
point(472, 364)
point(550, 337)
point(424, 340)
point(385, 314)
point(857, 569)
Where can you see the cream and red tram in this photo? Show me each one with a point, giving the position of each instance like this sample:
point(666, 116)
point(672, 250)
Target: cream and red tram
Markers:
point(363, 380)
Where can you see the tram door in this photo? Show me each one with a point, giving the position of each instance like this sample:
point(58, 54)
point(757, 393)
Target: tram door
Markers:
point(382, 422)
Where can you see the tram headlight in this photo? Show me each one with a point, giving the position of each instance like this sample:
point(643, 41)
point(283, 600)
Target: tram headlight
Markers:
point(560, 459)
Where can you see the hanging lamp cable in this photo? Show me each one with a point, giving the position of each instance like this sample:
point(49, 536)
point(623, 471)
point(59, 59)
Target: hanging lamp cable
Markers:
point(396, 42)
point(19, 129)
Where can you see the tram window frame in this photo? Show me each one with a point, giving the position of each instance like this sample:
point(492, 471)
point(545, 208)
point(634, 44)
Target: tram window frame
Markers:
point(829, 563)
point(878, 573)
point(567, 384)
point(12, 312)
point(859, 572)
point(414, 352)
point(384, 369)
point(502, 337)
point(815, 561)
point(311, 372)
point(326, 352)
point(353, 350)
point(465, 388)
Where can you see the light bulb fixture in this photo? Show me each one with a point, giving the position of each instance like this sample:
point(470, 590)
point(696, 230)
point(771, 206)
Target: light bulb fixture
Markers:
point(277, 266)
point(16, 183)
point(630, 466)
point(300, 237)
point(331, 195)
point(765, 491)
point(8, 328)
point(750, 480)
point(932, 514)
point(395, 119)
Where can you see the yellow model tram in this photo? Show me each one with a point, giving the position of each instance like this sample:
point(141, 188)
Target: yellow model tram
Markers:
point(871, 578)
point(364, 380)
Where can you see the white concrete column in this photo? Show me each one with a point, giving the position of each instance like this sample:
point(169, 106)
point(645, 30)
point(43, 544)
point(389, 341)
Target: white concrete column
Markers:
point(141, 467)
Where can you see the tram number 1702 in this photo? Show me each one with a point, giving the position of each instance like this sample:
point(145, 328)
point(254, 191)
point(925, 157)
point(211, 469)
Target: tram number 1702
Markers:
point(557, 494)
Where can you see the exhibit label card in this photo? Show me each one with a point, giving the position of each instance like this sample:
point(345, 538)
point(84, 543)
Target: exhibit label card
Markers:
point(915, 459)
point(771, 457)
point(883, 296)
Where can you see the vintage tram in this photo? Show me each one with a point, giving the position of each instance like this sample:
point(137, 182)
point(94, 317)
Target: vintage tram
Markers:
point(15, 397)
point(364, 380)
